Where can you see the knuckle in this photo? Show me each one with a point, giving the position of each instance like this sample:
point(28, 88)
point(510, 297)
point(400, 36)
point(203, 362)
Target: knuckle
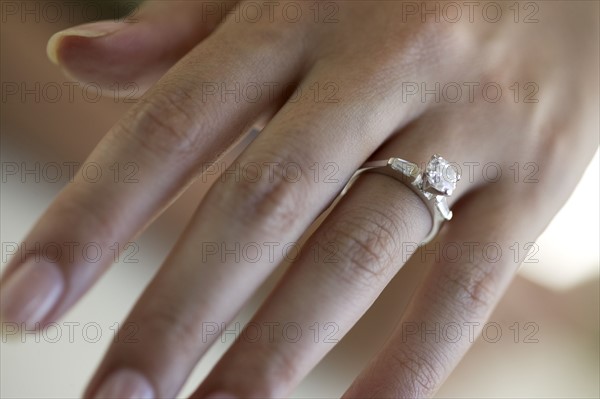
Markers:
point(80, 216)
point(266, 191)
point(405, 48)
point(540, 152)
point(163, 320)
point(419, 374)
point(368, 241)
point(278, 368)
point(471, 286)
point(266, 29)
point(165, 124)
point(270, 369)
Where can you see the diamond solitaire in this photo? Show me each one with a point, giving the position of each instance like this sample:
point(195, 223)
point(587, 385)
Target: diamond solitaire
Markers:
point(433, 185)
point(441, 175)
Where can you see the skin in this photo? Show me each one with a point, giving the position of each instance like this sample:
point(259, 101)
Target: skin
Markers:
point(369, 55)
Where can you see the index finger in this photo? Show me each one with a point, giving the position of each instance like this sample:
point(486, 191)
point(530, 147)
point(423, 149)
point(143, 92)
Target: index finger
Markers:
point(186, 120)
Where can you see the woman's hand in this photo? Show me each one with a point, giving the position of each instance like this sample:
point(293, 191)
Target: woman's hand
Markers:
point(514, 104)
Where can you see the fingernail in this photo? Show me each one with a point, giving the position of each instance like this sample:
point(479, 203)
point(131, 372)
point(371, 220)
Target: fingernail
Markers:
point(95, 29)
point(125, 384)
point(221, 395)
point(31, 292)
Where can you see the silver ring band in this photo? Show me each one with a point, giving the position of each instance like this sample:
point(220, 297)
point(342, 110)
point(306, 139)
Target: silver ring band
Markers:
point(433, 185)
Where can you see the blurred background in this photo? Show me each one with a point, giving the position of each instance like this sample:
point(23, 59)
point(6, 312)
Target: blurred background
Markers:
point(554, 302)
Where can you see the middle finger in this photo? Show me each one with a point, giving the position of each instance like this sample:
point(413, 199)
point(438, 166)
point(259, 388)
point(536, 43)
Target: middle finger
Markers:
point(263, 207)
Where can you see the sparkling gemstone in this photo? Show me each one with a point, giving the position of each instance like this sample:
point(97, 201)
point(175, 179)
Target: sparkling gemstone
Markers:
point(441, 175)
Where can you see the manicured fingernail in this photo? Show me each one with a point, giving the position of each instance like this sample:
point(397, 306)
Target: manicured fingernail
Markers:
point(96, 29)
point(125, 384)
point(221, 395)
point(31, 292)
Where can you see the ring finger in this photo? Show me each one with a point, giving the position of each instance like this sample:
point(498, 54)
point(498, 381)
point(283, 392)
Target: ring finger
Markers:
point(360, 247)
